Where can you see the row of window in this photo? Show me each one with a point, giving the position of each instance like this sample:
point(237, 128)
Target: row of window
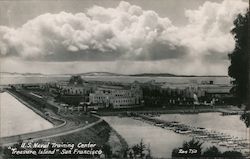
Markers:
point(124, 101)
point(115, 101)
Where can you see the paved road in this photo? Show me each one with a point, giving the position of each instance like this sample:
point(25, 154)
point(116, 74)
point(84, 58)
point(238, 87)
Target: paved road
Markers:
point(68, 128)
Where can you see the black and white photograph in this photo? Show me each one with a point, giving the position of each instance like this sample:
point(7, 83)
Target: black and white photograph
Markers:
point(132, 79)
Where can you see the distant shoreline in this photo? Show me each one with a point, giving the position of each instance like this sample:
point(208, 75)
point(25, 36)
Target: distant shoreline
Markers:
point(98, 74)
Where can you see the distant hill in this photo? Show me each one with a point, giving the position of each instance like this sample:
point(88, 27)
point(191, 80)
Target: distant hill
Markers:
point(106, 74)
point(154, 75)
point(21, 74)
point(100, 74)
point(172, 75)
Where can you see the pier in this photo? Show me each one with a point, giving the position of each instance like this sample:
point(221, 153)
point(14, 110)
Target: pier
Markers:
point(199, 133)
point(226, 113)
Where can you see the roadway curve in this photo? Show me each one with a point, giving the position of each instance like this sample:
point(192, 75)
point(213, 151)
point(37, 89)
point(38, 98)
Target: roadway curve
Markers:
point(67, 127)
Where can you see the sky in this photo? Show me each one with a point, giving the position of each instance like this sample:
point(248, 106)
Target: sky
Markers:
point(136, 36)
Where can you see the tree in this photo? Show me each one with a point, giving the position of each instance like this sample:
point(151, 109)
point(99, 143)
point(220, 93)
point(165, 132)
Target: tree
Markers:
point(246, 118)
point(139, 149)
point(239, 68)
point(232, 154)
point(240, 65)
point(193, 144)
point(212, 152)
point(184, 151)
point(107, 151)
point(149, 155)
point(175, 153)
point(136, 149)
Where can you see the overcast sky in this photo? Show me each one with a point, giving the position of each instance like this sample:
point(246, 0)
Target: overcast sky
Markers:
point(162, 36)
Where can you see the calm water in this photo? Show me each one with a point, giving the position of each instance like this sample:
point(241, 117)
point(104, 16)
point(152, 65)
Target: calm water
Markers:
point(17, 118)
point(126, 79)
point(231, 125)
point(163, 141)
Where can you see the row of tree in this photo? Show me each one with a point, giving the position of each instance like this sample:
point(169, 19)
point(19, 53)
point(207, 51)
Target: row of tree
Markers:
point(193, 149)
point(189, 149)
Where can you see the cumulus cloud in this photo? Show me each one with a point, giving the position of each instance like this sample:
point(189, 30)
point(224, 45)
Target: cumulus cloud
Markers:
point(208, 30)
point(126, 32)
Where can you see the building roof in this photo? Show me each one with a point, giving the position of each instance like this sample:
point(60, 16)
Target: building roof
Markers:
point(76, 80)
point(112, 87)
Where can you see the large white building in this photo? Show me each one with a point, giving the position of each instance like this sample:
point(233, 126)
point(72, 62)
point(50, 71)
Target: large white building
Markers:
point(116, 96)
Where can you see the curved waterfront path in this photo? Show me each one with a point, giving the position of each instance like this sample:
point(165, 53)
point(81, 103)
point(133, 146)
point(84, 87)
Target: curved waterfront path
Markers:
point(68, 126)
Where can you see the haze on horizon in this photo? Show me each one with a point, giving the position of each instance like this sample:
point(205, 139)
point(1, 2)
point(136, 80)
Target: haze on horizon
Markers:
point(54, 37)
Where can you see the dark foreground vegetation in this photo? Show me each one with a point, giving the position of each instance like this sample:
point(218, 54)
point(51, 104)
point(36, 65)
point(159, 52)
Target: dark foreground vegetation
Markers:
point(193, 149)
point(239, 69)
